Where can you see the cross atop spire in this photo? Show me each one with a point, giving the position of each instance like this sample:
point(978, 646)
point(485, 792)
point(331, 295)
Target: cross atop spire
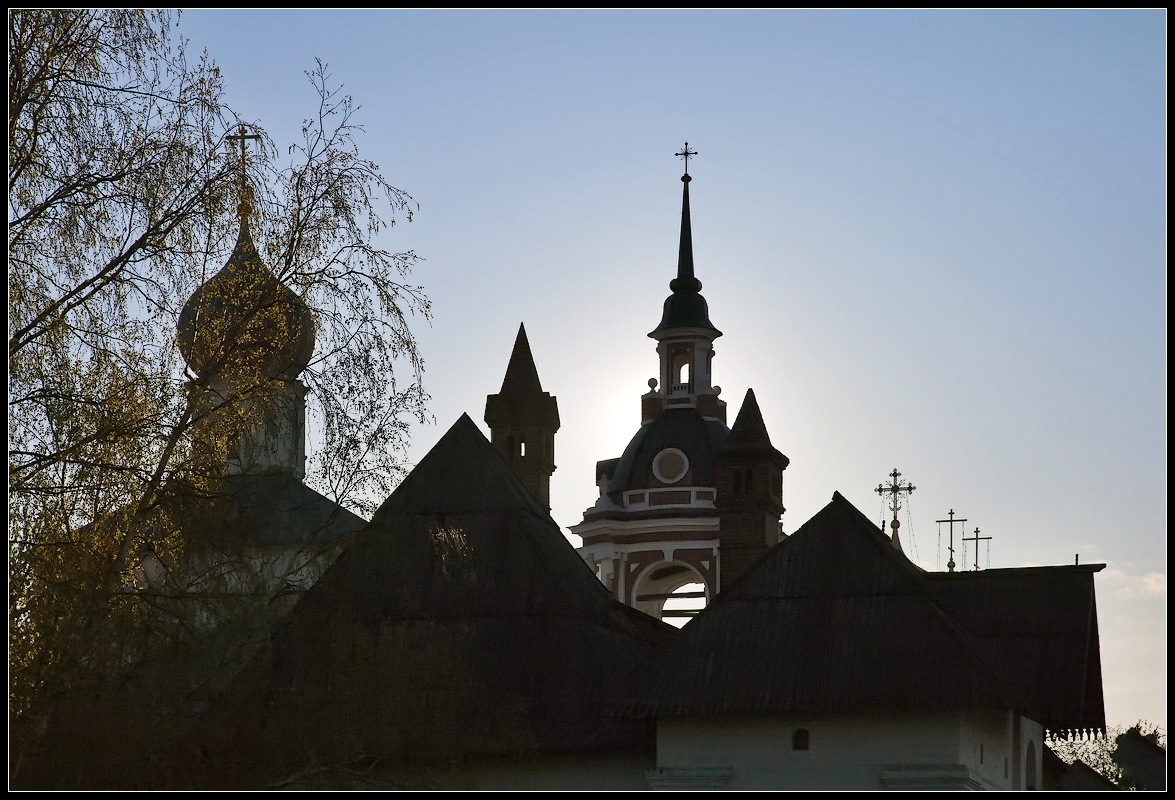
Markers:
point(685, 308)
point(896, 489)
point(685, 154)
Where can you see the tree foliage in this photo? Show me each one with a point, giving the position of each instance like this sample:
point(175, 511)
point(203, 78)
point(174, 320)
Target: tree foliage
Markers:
point(1097, 752)
point(123, 199)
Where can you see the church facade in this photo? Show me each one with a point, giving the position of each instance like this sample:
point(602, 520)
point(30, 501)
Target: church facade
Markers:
point(457, 640)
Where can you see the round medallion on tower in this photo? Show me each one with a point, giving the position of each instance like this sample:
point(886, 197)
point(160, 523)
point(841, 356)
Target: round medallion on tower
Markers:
point(670, 465)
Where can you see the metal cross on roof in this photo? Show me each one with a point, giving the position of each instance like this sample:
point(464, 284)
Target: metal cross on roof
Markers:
point(896, 489)
point(245, 202)
point(242, 137)
point(977, 539)
point(951, 547)
point(686, 153)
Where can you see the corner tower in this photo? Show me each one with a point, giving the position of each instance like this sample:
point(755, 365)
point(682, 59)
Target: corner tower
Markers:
point(656, 528)
point(523, 420)
point(750, 492)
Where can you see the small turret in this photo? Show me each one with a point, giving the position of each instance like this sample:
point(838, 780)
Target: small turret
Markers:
point(523, 420)
point(749, 474)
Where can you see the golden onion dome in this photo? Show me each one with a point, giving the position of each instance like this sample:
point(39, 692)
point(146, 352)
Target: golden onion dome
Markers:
point(243, 320)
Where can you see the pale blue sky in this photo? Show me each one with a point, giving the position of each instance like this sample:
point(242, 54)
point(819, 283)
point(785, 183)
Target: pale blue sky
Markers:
point(933, 240)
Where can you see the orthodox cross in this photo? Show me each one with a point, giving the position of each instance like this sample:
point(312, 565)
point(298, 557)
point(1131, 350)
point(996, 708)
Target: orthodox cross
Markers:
point(241, 138)
point(896, 489)
point(686, 153)
point(977, 539)
point(951, 547)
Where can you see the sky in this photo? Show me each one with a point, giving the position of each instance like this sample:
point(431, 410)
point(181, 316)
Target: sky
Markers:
point(934, 241)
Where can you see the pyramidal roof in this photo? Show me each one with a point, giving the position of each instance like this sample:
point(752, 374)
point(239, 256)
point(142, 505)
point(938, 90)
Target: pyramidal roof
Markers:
point(521, 374)
point(472, 622)
point(462, 536)
point(749, 432)
point(835, 619)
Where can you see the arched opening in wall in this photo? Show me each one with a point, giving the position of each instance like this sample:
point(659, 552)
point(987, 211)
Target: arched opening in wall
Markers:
point(684, 603)
point(679, 374)
point(672, 591)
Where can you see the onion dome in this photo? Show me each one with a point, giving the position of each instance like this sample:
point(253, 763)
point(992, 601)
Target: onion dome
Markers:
point(244, 320)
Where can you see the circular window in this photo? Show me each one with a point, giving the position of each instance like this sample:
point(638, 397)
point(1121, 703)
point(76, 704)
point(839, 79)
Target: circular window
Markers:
point(670, 465)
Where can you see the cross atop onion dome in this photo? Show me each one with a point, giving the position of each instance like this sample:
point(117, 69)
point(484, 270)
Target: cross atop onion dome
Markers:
point(243, 321)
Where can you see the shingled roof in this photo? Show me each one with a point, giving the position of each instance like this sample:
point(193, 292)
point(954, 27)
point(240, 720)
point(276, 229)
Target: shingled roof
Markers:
point(835, 619)
point(460, 622)
point(266, 509)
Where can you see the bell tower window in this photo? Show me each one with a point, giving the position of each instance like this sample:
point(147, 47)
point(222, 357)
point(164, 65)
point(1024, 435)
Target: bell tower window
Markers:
point(680, 369)
point(680, 361)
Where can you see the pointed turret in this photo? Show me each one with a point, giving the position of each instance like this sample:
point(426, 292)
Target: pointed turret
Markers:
point(523, 420)
point(749, 432)
point(749, 473)
point(521, 375)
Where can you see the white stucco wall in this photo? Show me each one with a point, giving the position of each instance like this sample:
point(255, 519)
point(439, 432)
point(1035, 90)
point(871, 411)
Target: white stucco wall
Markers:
point(896, 751)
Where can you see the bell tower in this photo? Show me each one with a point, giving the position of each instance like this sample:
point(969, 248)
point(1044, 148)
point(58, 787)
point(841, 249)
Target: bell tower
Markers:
point(690, 503)
point(523, 420)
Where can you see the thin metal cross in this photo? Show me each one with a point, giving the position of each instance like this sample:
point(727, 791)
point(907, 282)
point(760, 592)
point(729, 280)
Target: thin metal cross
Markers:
point(951, 547)
point(245, 205)
point(977, 539)
point(242, 137)
point(686, 153)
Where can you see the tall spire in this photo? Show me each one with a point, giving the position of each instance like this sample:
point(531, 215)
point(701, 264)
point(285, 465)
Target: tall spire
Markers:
point(685, 308)
point(685, 280)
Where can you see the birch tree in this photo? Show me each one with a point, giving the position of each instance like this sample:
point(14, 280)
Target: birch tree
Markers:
point(123, 190)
